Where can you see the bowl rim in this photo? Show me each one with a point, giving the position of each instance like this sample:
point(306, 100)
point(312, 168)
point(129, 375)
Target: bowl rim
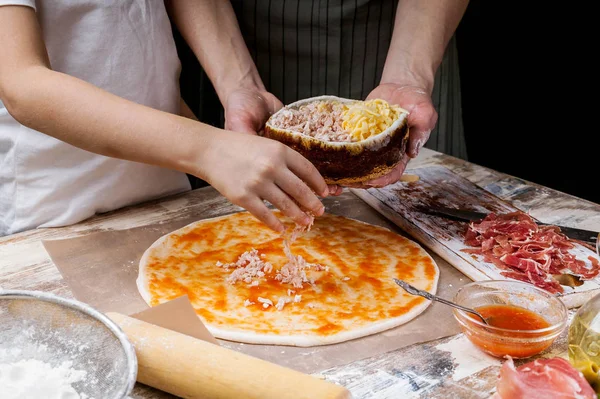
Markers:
point(74, 304)
point(559, 326)
point(396, 125)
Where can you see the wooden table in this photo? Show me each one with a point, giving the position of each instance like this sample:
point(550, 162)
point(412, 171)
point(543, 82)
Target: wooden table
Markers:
point(24, 264)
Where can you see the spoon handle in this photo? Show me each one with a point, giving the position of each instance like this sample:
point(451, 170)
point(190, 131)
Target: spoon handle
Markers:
point(442, 300)
point(415, 291)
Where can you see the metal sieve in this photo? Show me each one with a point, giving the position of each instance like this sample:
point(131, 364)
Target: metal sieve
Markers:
point(45, 327)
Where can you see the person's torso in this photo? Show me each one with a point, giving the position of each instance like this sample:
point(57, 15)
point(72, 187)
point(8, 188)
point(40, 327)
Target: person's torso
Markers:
point(306, 48)
point(124, 47)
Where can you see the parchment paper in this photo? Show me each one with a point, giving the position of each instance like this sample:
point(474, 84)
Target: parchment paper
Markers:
point(177, 315)
point(101, 269)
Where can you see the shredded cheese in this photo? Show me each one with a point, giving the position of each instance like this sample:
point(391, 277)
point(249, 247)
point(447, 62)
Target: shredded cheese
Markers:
point(364, 119)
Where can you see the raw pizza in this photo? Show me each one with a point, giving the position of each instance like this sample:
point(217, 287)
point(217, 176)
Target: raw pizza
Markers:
point(333, 283)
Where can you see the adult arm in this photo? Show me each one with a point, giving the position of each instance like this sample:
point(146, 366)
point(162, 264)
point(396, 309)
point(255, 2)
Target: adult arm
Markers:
point(246, 169)
point(422, 31)
point(211, 30)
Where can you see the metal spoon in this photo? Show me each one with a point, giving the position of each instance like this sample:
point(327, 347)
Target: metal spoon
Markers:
point(415, 291)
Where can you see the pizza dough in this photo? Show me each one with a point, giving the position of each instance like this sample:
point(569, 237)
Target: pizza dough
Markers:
point(352, 294)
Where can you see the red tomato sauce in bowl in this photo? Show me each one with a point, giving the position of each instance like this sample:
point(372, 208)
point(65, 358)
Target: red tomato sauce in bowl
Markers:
point(523, 320)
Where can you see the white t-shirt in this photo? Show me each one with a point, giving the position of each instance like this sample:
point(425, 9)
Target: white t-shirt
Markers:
point(125, 47)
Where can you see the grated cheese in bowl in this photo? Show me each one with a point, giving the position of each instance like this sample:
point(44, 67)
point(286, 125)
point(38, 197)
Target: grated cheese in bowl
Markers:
point(364, 119)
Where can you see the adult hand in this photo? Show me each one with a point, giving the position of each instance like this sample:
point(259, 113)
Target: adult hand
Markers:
point(248, 169)
point(421, 121)
point(247, 110)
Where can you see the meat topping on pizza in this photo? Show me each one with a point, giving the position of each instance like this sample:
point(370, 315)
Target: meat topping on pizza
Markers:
point(250, 267)
point(283, 300)
point(294, 271)
point(266, 302)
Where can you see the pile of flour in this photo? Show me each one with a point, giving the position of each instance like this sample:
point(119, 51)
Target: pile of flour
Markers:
point(34, 379)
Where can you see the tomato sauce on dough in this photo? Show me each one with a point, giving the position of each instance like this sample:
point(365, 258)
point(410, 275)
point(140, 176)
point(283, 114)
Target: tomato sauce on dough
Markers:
point(355, 292)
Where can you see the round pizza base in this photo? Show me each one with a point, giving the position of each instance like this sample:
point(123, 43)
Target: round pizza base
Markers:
point(344, 308)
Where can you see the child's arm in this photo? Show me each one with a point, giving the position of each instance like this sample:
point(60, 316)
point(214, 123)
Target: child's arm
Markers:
point(245, 168)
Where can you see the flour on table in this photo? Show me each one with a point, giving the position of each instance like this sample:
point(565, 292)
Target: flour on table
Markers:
point(468, 359)
point(383, 385)
point(34, 379)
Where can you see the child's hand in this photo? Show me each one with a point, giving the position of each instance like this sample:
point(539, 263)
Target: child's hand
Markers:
point(248, 169)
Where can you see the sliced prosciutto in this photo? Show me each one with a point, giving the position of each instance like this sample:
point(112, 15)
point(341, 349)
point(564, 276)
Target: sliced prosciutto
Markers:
point(542, 379)
point(527, 252)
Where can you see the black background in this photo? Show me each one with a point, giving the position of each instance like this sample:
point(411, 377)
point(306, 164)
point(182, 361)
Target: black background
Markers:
point(526, 79)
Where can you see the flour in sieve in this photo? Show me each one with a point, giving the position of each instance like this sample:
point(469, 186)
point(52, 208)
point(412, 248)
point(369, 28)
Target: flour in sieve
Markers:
point(34, 379)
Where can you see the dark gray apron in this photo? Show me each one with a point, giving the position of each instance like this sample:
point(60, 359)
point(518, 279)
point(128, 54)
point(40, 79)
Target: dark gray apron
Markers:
point(305, 48)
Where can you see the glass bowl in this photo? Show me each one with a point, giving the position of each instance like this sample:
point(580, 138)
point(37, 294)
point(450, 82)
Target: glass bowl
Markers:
point(501, 342)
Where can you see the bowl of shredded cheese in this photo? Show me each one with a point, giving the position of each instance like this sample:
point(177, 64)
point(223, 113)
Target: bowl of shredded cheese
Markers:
point(349, 141)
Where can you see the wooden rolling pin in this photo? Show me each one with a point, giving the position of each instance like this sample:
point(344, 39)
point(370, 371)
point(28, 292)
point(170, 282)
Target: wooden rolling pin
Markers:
point(192, 368)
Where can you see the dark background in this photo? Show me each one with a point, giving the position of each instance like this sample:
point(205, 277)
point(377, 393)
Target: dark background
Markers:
point(525, 90)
